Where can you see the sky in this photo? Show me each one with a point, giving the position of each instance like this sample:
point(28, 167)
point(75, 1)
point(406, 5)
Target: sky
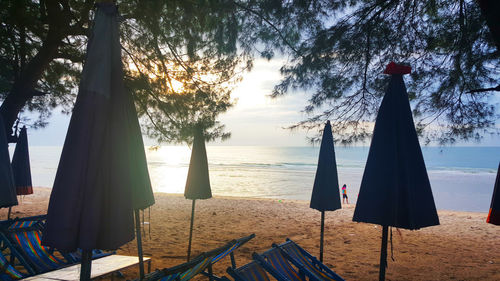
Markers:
point(256, 119)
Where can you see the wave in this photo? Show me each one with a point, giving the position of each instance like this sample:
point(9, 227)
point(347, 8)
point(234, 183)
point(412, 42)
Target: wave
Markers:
point(312, 166)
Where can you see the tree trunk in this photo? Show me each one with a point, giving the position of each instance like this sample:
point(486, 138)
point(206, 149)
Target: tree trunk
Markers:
point(491, 12)
point(24, 86)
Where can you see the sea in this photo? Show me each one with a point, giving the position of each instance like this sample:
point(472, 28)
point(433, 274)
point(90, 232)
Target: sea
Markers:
point(462, 178)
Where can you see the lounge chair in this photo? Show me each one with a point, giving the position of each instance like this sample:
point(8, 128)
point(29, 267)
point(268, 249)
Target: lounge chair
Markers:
point(7, 271)
point(231, 247)
point(188, 270)
point(252, 271)
point(276, 263)
point(25, 235)
point(27, 241)
point(76, 257)
point(307, 263)
point(25, 222)
point(13, 266)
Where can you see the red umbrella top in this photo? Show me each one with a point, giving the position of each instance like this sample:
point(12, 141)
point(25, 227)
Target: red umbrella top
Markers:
point(395, 189)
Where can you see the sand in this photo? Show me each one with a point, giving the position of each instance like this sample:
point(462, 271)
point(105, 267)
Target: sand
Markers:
point(463, 247)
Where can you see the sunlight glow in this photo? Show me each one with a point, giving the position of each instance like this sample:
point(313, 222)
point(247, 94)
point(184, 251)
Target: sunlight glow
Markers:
point(257, 85)
point(168, 167)
point(177, 87)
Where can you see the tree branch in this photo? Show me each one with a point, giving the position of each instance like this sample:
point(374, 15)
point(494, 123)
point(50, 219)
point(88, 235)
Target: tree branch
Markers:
point(497, 89)
point(71, 57)
point(270, 24)
point(37, 93)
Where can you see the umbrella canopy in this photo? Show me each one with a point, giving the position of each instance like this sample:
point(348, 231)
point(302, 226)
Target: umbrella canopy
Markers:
point(102, 175)
point(21, 165)
point(494, 214)
point(395, 189)
point(7, 187)
point(198, 181)
point(325, 195)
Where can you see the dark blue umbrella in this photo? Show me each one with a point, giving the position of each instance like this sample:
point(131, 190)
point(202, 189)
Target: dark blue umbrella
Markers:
point(198, 181)
point(395, 189)
point(21, 165)
point(325, 195)
point(7, 187)
point(102, 177)
point(494, 214)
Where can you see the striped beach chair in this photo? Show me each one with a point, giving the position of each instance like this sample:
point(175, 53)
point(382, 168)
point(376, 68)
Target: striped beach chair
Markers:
point(252, 271)
point(33, 221)
point(12, 264)
point(307, 263)
point(186, 271)
point(274, 262)
point(7, 271)
point(25, 237)
point(76, 256)
point(231, 247)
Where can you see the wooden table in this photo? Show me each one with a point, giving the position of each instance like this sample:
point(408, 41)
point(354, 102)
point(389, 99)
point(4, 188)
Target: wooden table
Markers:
point(100, 267)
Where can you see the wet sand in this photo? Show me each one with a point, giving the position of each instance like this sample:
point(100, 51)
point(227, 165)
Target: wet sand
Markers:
point(463, 247)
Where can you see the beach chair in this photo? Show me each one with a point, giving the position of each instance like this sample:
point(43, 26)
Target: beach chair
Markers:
point(25, 233)
point(231, 247)
point(76, 257)
point(276, 263)
point(11, 262)
point(181, 272)
point(33, 221)
point(188, 270)
point(306, 263)
point(26, 240)
point(252, 271)
point(7, 271)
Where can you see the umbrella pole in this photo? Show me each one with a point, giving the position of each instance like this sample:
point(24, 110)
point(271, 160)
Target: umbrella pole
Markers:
point(322, 235)
point(86, 265)
point(383, 253)
point(139, 243)
point(8, 214)
point(191, 231)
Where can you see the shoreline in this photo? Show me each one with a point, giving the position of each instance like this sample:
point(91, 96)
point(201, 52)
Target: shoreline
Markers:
point(279, 172)
point(265, 199)
point(463, 247)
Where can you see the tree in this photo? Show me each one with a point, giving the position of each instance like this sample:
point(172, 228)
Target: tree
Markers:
point(180, 60)
point(345, 45)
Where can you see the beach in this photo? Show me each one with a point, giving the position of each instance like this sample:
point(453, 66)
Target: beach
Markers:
point(463, 247)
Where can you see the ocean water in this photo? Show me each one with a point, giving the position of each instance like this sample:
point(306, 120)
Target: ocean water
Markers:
point(462, 178)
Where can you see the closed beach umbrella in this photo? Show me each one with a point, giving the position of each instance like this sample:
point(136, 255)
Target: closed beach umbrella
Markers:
point(198, 181)
point(494, 214)
point(395, 189)
point(21, 165)
point(7, 187)
point(325, 195)
point(102, 176)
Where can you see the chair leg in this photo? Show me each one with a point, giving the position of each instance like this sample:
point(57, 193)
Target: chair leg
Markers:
point(210, 272)
point(233, 262)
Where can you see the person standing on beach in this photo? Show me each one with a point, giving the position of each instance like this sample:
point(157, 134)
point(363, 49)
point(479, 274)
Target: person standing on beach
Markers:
point(344, 194)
